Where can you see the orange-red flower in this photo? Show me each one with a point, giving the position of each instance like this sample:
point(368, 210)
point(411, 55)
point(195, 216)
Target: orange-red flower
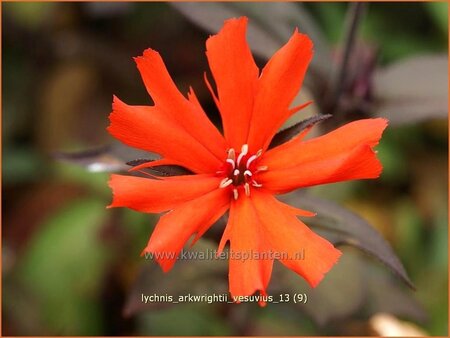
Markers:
point(237, 171)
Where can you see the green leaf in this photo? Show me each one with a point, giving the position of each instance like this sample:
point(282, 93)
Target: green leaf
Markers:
point(63, 268)
point(412, 90)
point(439, 12)
point(21, 165)
point(190, 319)
point(30, 14)
point(343, 227)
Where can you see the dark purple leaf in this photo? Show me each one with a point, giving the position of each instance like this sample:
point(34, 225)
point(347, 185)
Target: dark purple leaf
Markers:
point(161, 170)
point(106, 10)
point(270, 25)
point(324, 303)
point(412, 90)
point(343, 227)
point(292, 131)
point(387, 296)
point(109, 158)
point(196, 276)
point(353, 287)
point(339, 81)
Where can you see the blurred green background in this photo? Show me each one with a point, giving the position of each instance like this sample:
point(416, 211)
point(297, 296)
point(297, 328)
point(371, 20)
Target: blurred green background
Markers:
point(71, 267)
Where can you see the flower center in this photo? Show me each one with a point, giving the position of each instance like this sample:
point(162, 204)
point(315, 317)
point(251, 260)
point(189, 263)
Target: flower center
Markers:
point(240, 171)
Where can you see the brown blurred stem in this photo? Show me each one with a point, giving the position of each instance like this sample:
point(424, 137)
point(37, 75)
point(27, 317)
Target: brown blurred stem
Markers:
point(354, 17)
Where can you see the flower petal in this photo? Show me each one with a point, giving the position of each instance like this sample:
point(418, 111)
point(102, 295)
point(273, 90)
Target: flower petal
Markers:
point(247, 274)
point(185, 112)
point(301, 250)
point(151, 195)
point(262, 227)
point(278, 85)
point(236, 76)
point(360, 163)
point(152, 129)
point(176, 227)
point(296, 211)
point(340, 140)
point(343, 154)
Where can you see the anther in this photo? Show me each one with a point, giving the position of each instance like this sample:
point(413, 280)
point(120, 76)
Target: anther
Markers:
point(250, 160)
point(256, 184)
point(236, 172)
point(247, 189)
point(248, 173)
point(225, 182)
point(244, 151)
point(254, 157)
point(262, 168)
point(235, 194)
point(231, 154)
point(231, 161)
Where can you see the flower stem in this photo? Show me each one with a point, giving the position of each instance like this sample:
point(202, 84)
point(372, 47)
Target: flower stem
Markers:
point(338, 83)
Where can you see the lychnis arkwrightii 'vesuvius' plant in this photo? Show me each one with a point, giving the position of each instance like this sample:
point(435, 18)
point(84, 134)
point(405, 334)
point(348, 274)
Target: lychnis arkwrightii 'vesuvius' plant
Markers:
point(238, 172)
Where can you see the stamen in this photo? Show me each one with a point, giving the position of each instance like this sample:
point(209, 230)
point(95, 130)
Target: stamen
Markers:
point(225, 182)
point(239, 176)
point(254, 157)
point(231, 161)
point(247, 189)
point(231, 154)
point(250, 160)
point(244, 152)
point(244, 149)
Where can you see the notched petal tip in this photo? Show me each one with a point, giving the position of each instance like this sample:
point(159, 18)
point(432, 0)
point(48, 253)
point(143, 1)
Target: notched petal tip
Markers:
point(303, 42)
point(233, 22)
point(117, 104)
point(327, 267)
point(307, 213)
point(111, 185)
point(302, 39)
point(383, 120)
point(165, 266)
point(147, 53)
point(382, 124)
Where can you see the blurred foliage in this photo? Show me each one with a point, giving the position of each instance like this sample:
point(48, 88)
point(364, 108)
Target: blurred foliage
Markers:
point(70, 265)
point(63, 268)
